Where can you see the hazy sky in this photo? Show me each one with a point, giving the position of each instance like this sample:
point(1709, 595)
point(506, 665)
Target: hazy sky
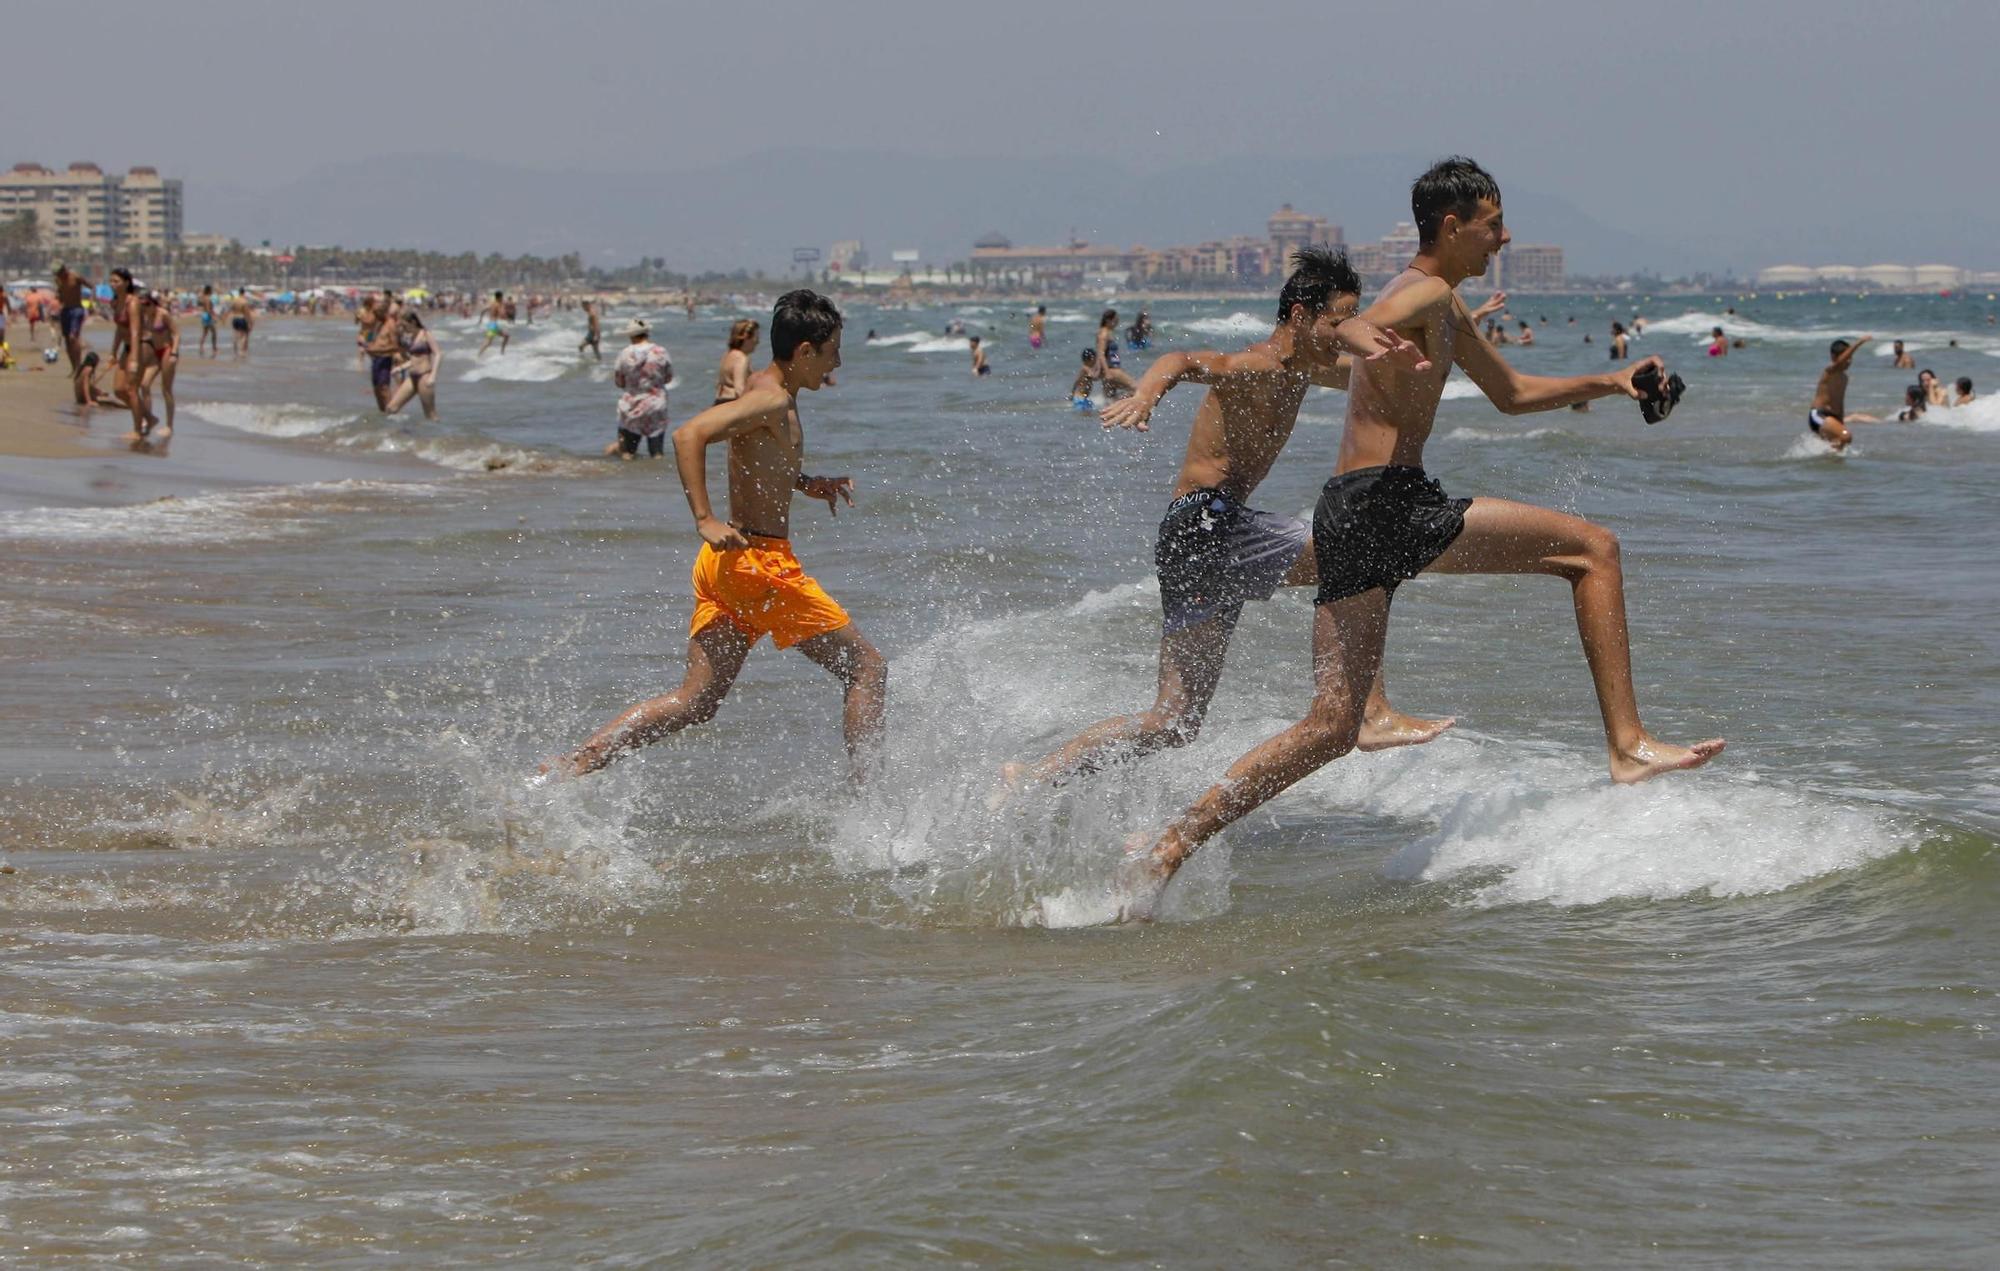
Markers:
point(1872, 122)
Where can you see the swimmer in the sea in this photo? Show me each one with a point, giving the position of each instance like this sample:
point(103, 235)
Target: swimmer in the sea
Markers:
point(1038, 324)
point(1827, 418)
point(1381, 520)
point(1964, 386)
point(1902, 361)
point(1213, 552)
point(1718, 344)
point(1079, 388)
point(979, 366)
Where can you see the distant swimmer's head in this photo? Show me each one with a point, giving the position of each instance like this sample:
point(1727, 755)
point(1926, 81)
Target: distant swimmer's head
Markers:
point(805, 333)
point(1090, 357)
point(973, 340)
point(1915, 396)
point(1041, 308)
point(1457, 210)
point(1964, 385)
point(1323, 292)
point(1110, 318)
point(1838, 347)
point(1715, 333)
point(743, 334)
point(1618, 328)
point(1926, 376)
point(498, 296)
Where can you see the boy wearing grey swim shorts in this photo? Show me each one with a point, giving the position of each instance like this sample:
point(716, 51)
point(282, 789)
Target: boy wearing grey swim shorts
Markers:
point(1215, 553)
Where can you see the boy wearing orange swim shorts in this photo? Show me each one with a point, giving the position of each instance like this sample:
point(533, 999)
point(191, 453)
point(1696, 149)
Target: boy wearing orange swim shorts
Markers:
point(747, 582)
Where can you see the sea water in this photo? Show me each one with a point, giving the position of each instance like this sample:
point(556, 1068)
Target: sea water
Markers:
point(294, 965)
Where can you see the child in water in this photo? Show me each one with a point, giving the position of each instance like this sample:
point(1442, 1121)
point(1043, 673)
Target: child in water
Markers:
point(1079, 389)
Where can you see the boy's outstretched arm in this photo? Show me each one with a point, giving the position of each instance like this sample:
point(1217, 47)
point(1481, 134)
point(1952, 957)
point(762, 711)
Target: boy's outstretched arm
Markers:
point(1517, 394)
point(1199, 366)
point(731, 419)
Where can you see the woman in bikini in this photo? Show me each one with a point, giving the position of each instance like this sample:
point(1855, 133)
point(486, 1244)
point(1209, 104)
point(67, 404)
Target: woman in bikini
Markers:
point(156, 334)
point(417, 372)
point(1116, 382)
point(735, 373)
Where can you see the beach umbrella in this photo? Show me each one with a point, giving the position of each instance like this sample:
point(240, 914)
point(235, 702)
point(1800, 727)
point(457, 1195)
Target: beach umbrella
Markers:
point(416, 293)
point(104, 291)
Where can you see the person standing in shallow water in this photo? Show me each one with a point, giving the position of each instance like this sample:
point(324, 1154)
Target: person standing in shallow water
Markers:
point(643, 371)
point(1382, 520)
point(733, 376)
point(1038, 325)
point(593, 332)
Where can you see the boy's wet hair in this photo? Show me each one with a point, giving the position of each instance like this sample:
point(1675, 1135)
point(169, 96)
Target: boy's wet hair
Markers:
point(1963, 384)
point(802, 317)
point(1914, 395)
point(1452, 187)
point(1318, 275)
point(1090, 357)
point(1838, 347)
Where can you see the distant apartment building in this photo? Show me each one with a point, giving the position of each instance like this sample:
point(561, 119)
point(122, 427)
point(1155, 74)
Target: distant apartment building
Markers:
point(847, 256)
point(1379, 261)
point(994, 256)
point(1288, 230)
point(85, 209)
point(1529, 267)
point(1218, 262)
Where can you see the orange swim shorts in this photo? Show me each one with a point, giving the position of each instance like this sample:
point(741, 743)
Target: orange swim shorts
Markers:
point(762, 590)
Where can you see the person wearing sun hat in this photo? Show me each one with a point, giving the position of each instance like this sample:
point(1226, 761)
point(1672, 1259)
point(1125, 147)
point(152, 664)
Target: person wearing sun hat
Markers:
point(642, 373)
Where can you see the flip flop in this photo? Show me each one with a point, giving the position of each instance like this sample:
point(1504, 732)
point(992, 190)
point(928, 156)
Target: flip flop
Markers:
point(1657, 400)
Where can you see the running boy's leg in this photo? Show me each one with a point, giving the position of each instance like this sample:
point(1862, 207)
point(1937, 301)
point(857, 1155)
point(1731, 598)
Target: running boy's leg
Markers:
point(715, 656)
point(864, 680)
point(1383, 727)
point(1503, 537)
point(1347, 653)
point(1190, 667)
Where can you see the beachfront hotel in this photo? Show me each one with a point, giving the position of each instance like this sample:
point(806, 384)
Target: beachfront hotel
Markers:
point(86, 210)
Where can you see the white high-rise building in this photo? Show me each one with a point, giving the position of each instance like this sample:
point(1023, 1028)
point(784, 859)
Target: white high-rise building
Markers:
point(85, 209)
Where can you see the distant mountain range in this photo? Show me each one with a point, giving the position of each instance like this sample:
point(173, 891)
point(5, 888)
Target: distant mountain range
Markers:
point(752, 211)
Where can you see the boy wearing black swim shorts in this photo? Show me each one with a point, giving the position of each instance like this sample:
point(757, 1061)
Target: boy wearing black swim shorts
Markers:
point(1382, 520)
point(1215, 553)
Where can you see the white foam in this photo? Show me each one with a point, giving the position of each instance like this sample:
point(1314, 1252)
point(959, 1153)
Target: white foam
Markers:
point(1808, 446)
point(1482, 434)
point(204, 518)
point(904, 337)
point(1981, 414)
point(284, 420)
point(942, 344)
point(1458, 389)
point(534, 356)
point(1236, 324)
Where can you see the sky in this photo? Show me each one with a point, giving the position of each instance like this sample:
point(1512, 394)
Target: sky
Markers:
point(1750, 133)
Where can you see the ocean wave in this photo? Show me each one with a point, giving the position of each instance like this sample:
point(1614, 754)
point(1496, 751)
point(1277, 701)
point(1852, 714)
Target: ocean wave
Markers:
point(285, 419)
point(1483, 434)
point(548, 353)
point(230, 516)
point(1237, 324)
point(1981, 414)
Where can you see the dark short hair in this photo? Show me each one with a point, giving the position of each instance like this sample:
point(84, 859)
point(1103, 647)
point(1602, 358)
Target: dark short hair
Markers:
point(1090, 355)
point(801, 317)
point(1914, 394)
point(1838, 347)
point(1108, 316)
point(1318, 275)
point(1452, 187)
point(1964, 384)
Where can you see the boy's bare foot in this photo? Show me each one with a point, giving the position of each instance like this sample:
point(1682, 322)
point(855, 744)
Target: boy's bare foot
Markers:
point(1140, 879)
point(1650, 758)
point(1393, 728)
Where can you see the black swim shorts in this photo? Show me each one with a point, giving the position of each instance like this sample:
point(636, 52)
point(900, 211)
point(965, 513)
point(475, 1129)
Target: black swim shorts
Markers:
point(1376, 527)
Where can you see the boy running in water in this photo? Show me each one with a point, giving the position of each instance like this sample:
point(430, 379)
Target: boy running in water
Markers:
point(1213, 552)
point(1381, 520)
point(747, 582)
point(1828, 417)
